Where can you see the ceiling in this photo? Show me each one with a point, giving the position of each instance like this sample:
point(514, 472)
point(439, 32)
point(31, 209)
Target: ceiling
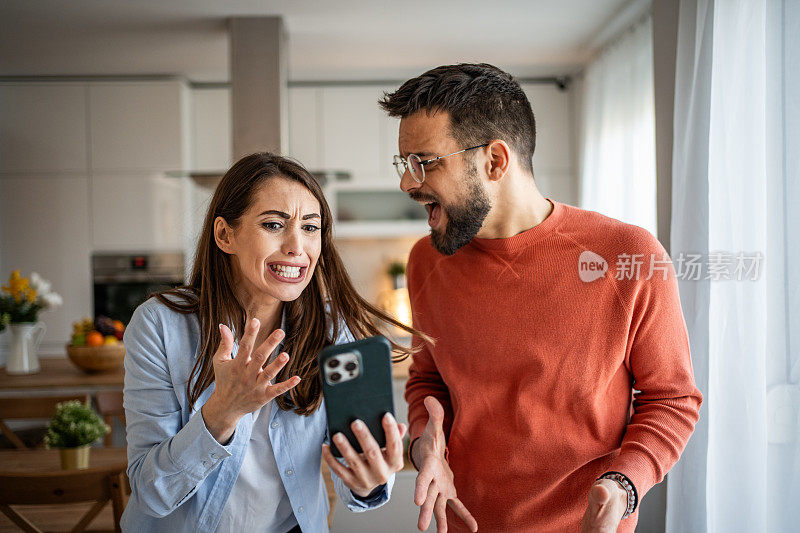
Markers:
point(328, 40)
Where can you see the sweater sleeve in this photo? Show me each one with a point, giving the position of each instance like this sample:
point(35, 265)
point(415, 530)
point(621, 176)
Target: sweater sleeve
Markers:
point(423, 376)
point(667, 404)
point(424, 380)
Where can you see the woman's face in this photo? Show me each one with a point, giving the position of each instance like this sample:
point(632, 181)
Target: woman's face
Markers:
point(277, 241)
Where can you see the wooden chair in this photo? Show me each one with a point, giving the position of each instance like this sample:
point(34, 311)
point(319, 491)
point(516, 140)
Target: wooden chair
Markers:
point(109, 405)
point(27, 407)
point(326, 477)
point(98, 485)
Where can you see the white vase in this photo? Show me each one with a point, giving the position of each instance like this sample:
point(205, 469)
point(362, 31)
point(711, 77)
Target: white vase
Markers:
point(23, 350)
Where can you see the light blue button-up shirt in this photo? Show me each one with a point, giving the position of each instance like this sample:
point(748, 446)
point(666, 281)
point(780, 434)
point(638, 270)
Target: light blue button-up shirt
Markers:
point(180, 475)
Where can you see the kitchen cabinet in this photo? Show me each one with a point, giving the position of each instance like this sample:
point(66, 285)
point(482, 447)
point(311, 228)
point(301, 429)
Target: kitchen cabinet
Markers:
point(133, 212)
point(341, 129)
point(358, 135)
point(43, 127)
point(44, 228)
point(211, 129)
point(351, 124)
point(139, 126)
point(306, 137)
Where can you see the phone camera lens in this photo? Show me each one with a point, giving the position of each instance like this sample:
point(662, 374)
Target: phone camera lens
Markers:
point(335, 377)
point(333, 363)
point(350, 366)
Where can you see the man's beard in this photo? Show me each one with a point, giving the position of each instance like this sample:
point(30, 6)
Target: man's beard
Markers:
point(463, 221)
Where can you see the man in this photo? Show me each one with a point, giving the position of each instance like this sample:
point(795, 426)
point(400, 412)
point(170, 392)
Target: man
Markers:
point(525, 400)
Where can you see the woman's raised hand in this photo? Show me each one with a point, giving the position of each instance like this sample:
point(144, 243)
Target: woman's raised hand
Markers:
point(243, 384)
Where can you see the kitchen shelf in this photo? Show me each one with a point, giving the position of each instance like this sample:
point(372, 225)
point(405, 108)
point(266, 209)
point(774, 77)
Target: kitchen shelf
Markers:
point(394, 228)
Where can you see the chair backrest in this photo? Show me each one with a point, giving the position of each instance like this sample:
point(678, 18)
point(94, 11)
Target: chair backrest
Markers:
point(31, 407)
point(330, 490)
point(97, 485)
point(109, 405)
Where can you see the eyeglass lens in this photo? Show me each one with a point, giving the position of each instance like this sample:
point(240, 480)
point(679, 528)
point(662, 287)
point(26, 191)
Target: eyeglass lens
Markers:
point(414, 165)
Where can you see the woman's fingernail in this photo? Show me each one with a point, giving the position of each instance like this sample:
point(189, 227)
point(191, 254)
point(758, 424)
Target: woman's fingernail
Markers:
point(338, 437)
point(389, 417)
point(358, 424)
point(220, 327)
point(254, 322)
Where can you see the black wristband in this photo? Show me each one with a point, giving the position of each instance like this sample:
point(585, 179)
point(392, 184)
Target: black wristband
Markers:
point(628, 486)
point(411, 457)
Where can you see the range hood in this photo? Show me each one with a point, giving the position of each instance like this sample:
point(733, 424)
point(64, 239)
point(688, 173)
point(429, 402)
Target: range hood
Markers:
point(259, 92)
point(259, 109)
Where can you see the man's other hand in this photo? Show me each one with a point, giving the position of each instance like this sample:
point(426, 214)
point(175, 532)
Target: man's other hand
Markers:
point(434, 488)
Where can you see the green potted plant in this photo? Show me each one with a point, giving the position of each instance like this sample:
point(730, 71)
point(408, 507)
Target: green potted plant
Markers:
point(72, 429)
point(397, 271)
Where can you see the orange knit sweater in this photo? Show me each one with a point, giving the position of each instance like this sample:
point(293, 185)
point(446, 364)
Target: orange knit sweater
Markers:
point(536, 368)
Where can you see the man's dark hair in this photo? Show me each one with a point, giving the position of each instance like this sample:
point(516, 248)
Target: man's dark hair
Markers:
point(484, 103)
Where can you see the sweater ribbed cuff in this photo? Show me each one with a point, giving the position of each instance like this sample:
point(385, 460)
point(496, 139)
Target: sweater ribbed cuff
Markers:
point(638, 470)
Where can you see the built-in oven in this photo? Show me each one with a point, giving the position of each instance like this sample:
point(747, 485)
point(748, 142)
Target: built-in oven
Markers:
point(123, 281)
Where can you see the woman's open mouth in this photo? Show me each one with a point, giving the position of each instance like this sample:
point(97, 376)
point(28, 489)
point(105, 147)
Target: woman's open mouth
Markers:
point(288, 272)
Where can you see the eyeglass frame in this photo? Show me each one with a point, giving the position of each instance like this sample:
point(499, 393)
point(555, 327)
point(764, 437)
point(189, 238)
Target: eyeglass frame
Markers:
point(398, 160)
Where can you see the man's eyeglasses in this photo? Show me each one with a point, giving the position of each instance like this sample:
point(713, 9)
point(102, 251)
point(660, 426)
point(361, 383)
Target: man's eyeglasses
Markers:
point(416, 166)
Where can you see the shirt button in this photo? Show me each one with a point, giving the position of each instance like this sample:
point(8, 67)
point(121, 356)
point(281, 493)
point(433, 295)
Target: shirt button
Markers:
point(275, 425)
point(213, 456)
point(300, 509)
point(205, 463)
point(289, 472)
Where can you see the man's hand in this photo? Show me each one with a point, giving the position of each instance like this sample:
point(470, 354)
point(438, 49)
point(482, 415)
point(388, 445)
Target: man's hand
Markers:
point(607, 504)
point(435, 488)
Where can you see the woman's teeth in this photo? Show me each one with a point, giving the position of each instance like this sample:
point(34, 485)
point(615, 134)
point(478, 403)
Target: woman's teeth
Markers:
point(286, 271)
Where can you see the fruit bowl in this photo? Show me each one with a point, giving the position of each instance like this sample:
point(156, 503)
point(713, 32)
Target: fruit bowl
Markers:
point(92, 359)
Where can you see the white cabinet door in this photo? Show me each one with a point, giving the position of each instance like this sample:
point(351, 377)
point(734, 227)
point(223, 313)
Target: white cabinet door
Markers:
point(352, 124)
point(44, 228)
point(552, 109)
point(43, 127)
point(390, 128)
point(211, 129)
point(138, 212)
point(305, 127)
point(138, 126)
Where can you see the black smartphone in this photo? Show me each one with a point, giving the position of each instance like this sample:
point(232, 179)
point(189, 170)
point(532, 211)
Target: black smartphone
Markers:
point(357, 384)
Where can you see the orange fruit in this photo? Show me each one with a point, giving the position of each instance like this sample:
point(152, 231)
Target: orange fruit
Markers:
point(94, 338)
point(119, 326)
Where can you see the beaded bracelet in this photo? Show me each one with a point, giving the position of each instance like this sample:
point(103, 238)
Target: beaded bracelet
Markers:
point(628, 486)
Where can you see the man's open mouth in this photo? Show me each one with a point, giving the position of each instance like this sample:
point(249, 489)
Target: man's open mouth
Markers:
point(434, 213)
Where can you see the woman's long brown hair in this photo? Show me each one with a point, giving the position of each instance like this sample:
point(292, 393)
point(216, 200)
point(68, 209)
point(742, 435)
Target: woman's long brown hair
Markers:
point(313, 321)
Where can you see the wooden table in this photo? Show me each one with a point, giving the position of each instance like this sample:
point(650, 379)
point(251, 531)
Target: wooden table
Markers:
point(58, 517)
point(60, 376)
point(29, 461)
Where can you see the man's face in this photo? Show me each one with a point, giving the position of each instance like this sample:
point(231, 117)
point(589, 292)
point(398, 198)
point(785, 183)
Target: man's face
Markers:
point(452, 192)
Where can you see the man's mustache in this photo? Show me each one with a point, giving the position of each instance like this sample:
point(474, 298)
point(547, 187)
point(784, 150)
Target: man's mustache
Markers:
point(421, 197)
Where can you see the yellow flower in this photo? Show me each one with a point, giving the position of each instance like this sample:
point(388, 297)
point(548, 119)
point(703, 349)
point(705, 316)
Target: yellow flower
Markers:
point(19, 287)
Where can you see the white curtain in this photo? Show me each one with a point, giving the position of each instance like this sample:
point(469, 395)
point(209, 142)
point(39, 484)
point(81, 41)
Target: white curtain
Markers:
point(736, 194)
point(618, 163)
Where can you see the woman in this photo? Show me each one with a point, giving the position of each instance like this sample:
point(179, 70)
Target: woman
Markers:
point(222, 394)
